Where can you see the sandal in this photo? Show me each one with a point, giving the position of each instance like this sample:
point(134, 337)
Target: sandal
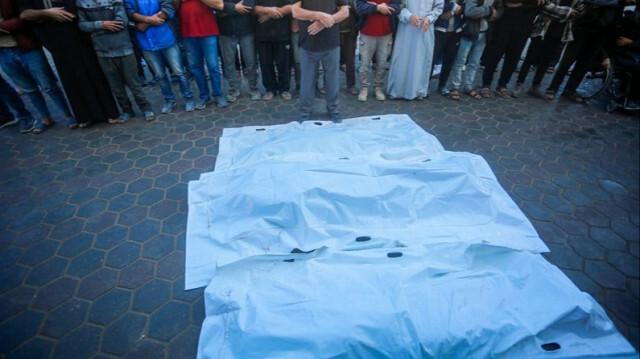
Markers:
point(84, 124)
point(504, 93)
point(40, 127)
point(573, 96)
point(473, 94)
point(485, 92)
point(72, 123)
point(149, 116)
point(454, 95)
point(122, 119)
point(550, 95)
point(353, 91)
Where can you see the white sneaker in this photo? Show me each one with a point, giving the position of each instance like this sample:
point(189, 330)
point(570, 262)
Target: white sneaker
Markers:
point(379, 94)
point(364, 92)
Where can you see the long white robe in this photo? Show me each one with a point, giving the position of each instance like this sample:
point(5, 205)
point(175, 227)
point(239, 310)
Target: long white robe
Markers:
point(413, 51)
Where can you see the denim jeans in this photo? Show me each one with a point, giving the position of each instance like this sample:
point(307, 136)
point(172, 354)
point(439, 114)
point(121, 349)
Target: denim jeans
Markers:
point(122, 73)
point(309, 61)
point(9, 98)
point(472, 50)
point(31, 70)
point(206, 48)
point(228, 46)
point(170, 57)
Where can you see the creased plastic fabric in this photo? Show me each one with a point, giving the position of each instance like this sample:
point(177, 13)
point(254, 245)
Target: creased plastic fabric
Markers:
point(435, 301)
point(411, 252)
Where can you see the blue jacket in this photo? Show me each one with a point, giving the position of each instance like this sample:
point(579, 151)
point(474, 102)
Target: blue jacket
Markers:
point(156, 37)
point(443, 25)
point(364, 9)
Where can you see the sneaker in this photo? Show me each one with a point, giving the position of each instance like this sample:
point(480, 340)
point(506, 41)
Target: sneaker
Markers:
point(149, 116)
point(445, 92)
point(632, 106)
point(202, 103)
point(286, 95)
point(232, 95)
point(168, 106)
point(8, 122)
point(189, 106)
point(267, 96)
point(379, 94)
point(336, 118)
point(27, 126)
point(222, 102)
point(364, 92)
point(255, 95)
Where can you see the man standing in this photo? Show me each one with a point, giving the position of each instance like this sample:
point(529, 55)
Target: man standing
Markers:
point(158, 43)
point(320, 43)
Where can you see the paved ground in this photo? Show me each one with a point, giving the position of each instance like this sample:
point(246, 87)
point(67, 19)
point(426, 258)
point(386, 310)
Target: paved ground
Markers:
point(92, 222)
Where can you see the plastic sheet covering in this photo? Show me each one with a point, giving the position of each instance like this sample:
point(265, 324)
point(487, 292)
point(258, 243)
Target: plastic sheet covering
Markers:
point(390, 181)
point(411, 252)
point(449, 300)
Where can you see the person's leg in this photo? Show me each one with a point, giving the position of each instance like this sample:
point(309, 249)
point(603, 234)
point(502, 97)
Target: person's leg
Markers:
point(210, 49)
point(448, 57)
point(438, 48)
point(38, 66)
point(455, 78)
point(475, 55)
point(568, 58)
point(382, 49)
point(309, 62)
point(173, 57)
point(13, 100)
point(111, 70)
point(493, 53)
point(549, 47)
point(331, 68)
point(533, 56)
point(348, 50)
point(155, 59)
point(248, 52)
point(585, 58)
point(282, 65)
point(367, 50)
point(228, 46)
point(266, 55)
point(296, 57)
point(195, 56)
point(11, 63)
point(128, 70)
point(512, 57)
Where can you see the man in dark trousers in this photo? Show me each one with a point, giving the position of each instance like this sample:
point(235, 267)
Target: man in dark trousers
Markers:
point(320, 43)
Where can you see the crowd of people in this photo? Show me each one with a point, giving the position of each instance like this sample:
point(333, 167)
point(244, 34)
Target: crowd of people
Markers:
point(99, 48)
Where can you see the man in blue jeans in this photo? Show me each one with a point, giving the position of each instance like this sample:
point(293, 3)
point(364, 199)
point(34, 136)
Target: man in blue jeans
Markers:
point(9, 98)
point(22, 59)
point(320, 43)
point(158, 44)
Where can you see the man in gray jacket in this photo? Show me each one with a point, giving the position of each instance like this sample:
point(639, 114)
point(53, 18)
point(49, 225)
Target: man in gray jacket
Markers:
point(106, 22)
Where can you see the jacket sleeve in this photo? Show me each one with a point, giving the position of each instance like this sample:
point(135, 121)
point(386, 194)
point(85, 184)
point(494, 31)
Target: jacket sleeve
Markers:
point(130, 8)
point(229, 8)
point(405, 14)
point(448, 6)
point(472, 10)
point(364, 8)
point(436, 11)
point(556, 11)
point(166, 6)
point(396, 5)
point(84, 23)
point(121, 14)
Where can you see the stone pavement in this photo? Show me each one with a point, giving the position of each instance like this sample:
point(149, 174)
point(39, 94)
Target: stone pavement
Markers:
point(92, 222)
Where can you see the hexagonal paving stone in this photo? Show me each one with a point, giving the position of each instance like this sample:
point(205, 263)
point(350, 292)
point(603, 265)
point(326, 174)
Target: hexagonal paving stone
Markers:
point(124, 334)
point(76, 245)
point(132, 215)
point(159, 247)
point(100, 222)
point(60, 214)
point(92, 208)
point(32, 235)
point(177, 191)
point(175, 224)
point(39, 252)
point(146, 349)
point(136, 274)
point(163, 329)
point(109, 307)
point(185, 345)
point(68, 229)
point(144, 230)
point(34, 348)
point(150, 197)
point(97, 283)
point(124, 254)
point(163, 209)
point(625, 263)
point(624, 306)
point(17, 330)
point(86, 263)
point(564, 257)
point(571, 225)
point(15, 301)
point(171, 266)
point(9, 256)
point(11, 277)
point(111, 237)
point(605, 275)
point(558, 204)
point(81, 343)
point(536, 211)
point(111, 191)
point(152, 295)
point(47, 271)
point(586, 247)
point(65, 318)
point(28, 220)
point(198, 312)
point(55, 293)
point(166, 180)
point(84, 195)
point(122, 202)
